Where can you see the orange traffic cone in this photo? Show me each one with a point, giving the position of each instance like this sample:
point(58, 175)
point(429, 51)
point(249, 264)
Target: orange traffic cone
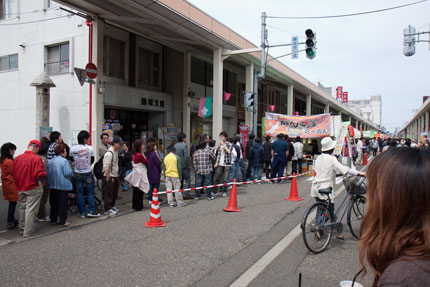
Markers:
point(232, 201)
point(365, 158)
point(294, 194)
point(155, 216)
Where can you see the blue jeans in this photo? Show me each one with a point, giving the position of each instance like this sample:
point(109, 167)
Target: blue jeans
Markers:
point(278, 166)
point(242, 170)
point(85, 181)
point(127, 172)
point(203, 180)
point(234, 171)
point(258, 170)
point(151, 189)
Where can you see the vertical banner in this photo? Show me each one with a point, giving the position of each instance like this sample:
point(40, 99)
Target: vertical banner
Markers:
point(339, 94)
point(345, 97)
point(263, 120)
point(243, 131)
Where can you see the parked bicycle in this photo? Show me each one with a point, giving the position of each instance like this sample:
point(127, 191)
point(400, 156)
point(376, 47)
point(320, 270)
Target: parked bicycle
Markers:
point(318, 222)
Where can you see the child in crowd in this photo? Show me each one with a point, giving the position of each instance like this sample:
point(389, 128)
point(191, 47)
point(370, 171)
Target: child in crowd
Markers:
point(173, 173)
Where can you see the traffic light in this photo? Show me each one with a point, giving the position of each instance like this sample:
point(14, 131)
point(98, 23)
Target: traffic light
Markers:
point(409, 41)
point(310, 44)
point(249, 99)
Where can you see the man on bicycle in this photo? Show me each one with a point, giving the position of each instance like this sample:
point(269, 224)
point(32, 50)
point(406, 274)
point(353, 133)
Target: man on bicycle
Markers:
point(326, 167)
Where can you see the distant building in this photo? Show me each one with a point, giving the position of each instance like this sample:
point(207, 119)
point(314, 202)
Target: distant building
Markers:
point(370, 109)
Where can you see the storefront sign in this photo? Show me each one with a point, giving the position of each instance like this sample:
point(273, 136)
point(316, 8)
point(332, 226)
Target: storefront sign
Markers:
point(205, 107)
point(317, 126)
point(340, 138)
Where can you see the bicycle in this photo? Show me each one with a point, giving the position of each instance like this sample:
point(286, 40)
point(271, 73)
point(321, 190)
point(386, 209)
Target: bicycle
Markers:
point(318, 221)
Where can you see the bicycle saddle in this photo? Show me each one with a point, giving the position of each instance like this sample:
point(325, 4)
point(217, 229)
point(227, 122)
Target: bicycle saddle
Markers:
point(326, 191)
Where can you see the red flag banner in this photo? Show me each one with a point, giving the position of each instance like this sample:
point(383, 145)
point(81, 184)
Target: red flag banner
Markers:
point(345, 97)
point(339, 93)
point(316, 126)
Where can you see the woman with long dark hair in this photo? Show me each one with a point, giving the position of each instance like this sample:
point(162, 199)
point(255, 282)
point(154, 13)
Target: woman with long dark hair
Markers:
point(154, 169)
point(138, 178)
point(10, 191)
point(395, 231)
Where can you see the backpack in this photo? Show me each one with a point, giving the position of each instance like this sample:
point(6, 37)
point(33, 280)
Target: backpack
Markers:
point(237, 151)
point(98, 167)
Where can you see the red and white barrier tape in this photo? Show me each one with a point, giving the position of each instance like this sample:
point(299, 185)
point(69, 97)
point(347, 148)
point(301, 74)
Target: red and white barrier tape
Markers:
point(231, 183)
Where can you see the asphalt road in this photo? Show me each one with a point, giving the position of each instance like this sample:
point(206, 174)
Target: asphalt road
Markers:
point(201, 246)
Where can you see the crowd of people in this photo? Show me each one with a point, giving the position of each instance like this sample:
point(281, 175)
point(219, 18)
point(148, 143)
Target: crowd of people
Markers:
point(50, 170)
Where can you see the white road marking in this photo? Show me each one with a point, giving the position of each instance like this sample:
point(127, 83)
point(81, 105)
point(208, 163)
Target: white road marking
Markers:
point(273, 253)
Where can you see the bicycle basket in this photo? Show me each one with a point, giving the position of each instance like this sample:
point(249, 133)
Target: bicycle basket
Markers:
point(355, 184)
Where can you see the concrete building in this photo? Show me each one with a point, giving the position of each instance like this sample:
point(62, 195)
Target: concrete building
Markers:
point(370, 109)
point(418, 127)
point(155, 59)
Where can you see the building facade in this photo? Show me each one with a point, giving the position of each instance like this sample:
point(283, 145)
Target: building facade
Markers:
point(370, 109)
point(418, 127)
point(155, 60)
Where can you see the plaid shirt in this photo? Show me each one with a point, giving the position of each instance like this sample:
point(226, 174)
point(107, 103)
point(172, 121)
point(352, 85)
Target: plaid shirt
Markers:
point(202, 160)
point(227, 156)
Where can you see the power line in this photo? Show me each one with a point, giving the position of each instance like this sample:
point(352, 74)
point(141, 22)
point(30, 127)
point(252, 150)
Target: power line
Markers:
point(347, 15)
point(36, 21)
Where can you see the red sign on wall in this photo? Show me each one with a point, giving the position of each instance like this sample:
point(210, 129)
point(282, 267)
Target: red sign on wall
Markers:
point(339, 93)
point(345, 97)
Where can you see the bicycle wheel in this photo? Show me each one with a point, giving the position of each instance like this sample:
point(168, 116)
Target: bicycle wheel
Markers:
point(355, 214)
point(316, 234)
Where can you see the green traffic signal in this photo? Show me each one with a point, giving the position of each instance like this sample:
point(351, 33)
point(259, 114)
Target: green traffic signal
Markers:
point(310, 44)
point(310, 53)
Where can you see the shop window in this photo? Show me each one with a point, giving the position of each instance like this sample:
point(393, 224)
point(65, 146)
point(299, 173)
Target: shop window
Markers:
point(149, 68)
point(8, 9)
point(198, 70)
point(58, 59)
point(9, 62)
point(114, 58)
point(201, 72)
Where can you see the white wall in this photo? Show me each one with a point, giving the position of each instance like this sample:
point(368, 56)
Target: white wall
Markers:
point(69, 101)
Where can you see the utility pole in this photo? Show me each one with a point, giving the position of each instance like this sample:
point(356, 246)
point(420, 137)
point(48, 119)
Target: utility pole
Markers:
point(262, 74)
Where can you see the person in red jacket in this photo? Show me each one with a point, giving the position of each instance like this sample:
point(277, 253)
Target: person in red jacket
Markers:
point(30, 177)
point(10, 192)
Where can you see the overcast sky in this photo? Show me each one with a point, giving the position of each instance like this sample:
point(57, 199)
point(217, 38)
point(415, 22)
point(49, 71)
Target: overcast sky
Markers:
point(364, 54)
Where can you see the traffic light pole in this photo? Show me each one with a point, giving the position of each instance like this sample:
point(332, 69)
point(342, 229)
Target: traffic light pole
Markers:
point(262, 73)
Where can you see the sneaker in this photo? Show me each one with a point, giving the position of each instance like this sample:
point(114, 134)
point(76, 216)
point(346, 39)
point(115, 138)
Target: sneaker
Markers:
point(182, 204)
point(31, 235)
point(214, 194)
point(224, 194)
point(115, 208)
point(82, 216)
point(172, 205)
point(66, 224)
point(10, 226)
point(45, 219)
point(197, 198)
point(210, 198)
point(93, 214)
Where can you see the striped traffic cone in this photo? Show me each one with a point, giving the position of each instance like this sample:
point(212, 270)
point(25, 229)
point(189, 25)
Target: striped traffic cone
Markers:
point(155, 216)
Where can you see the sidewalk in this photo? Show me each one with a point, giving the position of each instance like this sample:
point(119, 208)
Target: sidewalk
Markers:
point(125, 206)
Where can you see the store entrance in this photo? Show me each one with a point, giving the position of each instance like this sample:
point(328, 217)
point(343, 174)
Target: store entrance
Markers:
point(128, 124)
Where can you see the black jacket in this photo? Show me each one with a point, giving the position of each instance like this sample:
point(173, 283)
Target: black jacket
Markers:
point(257, 155)
point(248, 150)
point(267, 151)
point(291, 151)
